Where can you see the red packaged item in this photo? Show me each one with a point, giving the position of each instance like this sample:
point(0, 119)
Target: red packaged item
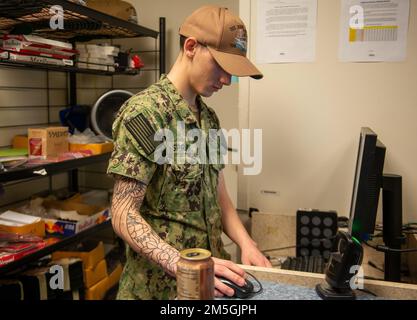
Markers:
point(137, 63)
point(35, 146)
point(15, 246)
point(7, 257)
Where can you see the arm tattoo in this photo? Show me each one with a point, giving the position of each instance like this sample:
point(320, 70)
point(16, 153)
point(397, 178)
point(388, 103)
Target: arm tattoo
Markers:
point(129, 225)
point(152, 246)
point(128, 194)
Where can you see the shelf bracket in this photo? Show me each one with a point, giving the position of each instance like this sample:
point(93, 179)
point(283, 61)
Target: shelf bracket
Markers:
point(73, 180)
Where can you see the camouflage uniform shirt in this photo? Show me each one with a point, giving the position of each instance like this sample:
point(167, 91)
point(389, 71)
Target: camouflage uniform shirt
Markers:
point(180, 203)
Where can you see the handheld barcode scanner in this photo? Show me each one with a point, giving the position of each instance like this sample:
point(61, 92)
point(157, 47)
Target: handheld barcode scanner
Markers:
point(347, 252)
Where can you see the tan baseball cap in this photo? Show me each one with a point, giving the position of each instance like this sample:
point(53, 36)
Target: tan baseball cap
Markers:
point(225, 36)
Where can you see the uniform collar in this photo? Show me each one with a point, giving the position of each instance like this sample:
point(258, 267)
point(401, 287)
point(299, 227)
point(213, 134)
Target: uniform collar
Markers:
point(181, 106)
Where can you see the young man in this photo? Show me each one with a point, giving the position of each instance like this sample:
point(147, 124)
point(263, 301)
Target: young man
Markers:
point(161, 209)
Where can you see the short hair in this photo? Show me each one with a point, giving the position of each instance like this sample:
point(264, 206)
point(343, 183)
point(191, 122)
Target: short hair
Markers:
point(182, 42)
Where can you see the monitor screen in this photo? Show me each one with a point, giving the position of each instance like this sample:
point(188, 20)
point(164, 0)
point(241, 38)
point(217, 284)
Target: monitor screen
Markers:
point(367, 185)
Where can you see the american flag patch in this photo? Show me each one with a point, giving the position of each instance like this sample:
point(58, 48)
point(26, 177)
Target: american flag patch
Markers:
point(143, 132)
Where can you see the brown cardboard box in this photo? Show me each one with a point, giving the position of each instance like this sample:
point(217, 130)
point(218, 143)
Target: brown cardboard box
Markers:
point(47, 142)
point(96, 274)
point(95, 148)
point(20, 142)
point(36, 228)
point(81, 208)
point(90, 258)
point(99, 290)
point(116, 8)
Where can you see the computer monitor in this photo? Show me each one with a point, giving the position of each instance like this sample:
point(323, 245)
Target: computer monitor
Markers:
point(367, 185)
point(368, 182)
point(347, 249)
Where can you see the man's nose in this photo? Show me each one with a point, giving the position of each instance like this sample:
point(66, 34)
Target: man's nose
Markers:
point(226, 78)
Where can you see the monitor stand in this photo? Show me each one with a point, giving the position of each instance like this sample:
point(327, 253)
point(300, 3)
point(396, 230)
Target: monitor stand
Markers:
point(344, 262)
point(326, 292)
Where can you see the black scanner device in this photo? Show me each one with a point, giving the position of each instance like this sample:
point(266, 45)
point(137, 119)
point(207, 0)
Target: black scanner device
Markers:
point(241, 292)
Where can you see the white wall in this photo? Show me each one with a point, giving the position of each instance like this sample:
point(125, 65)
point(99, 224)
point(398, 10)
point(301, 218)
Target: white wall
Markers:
point(311, 114)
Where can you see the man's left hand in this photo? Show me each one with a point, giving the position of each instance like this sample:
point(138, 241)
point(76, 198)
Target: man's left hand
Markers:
point(252, 256)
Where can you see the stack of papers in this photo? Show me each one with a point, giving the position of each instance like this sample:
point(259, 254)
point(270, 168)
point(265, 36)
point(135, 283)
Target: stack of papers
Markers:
point(11, 158)
point(29, 48)
point(97, 57)
point(15, 246)
point(15, 219)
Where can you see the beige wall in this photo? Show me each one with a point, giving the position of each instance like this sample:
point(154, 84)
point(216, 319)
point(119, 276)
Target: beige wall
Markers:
point(311, 114)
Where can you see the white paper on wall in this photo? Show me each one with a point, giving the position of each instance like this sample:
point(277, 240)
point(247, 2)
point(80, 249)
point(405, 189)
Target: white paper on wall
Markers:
point(286, 31)
point(373, 30)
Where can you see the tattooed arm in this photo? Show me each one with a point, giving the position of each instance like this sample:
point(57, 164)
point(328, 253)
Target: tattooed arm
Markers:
point(130, 226)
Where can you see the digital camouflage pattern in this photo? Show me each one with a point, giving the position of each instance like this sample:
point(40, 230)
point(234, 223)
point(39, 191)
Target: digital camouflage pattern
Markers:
point(181, 202)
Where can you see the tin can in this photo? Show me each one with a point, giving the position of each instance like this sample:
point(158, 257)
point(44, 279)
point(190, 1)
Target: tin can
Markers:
point(195, 275)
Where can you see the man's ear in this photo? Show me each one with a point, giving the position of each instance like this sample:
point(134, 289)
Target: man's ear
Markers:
point(190, 46)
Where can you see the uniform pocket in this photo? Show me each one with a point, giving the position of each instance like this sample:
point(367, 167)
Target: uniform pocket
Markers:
point(182, 188)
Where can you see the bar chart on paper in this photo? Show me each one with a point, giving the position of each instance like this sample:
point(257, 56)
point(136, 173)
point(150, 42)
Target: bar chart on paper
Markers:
point(374, 33)
point(374, 30)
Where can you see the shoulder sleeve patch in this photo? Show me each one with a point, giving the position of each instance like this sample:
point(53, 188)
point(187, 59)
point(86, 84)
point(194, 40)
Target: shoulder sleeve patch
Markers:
point(143, 132)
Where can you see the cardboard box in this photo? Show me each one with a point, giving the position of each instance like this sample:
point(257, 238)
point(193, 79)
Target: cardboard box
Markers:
point(69, 228)
point(73, 205)
point(16, 222)
point(47, 142)
point(117, 8)
point(96, 148)
point(20, 142)
point(96, 274)
point(90, 258)
point(99, 290)
point(63, 227)
point(36, 228)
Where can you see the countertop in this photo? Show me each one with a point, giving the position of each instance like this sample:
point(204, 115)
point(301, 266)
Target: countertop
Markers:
point(281, 291)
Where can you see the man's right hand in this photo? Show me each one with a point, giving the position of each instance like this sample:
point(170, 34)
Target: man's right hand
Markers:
point(227, 269)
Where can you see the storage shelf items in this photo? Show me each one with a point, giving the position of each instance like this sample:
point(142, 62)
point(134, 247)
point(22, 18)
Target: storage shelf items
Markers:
point(41, 66)
point(80, 23)
point(50, 168)
point(61, 243)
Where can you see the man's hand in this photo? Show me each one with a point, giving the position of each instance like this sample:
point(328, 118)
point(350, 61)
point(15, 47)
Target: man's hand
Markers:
point(227, 269)
point(252, 256)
